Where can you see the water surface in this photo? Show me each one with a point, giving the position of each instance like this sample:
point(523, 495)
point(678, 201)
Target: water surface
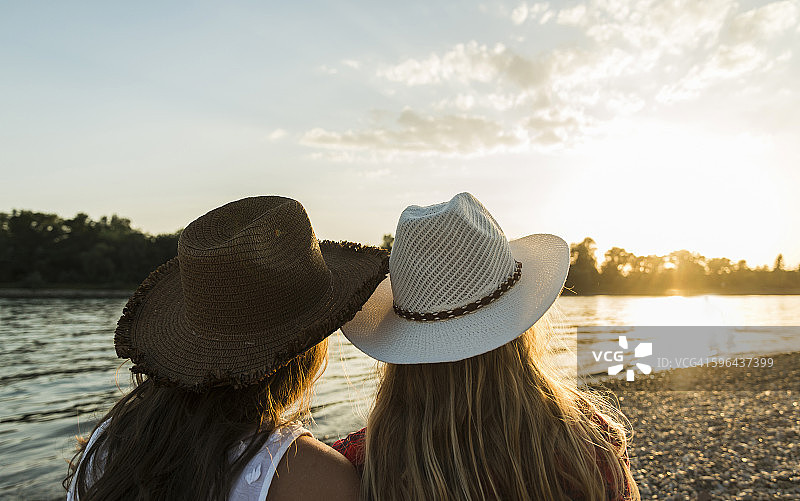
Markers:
point(59, 372)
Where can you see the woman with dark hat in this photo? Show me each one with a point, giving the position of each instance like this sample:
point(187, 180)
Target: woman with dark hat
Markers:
point(227, 340)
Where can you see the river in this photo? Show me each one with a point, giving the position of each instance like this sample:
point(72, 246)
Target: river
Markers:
point(59, 372)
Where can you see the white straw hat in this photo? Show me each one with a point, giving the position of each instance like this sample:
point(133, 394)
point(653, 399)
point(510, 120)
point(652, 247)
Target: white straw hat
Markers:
point(457, 287)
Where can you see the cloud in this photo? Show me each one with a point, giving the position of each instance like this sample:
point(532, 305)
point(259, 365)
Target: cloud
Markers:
point(463, 102)
point(765, 22)
point(456, 135)
point(519, 14)
point(633, 56)
point(494, 101)
point(670, 26)
point(328, 70)
point(537, 11)
point(573, 16)
point(467, 63)
point(276, 135)
point(351, 63)
point(742, 51)
point(554, 127)
point(463, 63)
point(726, 63)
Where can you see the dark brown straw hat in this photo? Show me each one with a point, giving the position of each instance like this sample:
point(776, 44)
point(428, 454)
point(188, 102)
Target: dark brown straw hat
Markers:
point(250, 289)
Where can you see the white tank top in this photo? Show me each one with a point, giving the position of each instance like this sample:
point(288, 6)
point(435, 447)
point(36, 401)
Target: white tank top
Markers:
point(254, 481)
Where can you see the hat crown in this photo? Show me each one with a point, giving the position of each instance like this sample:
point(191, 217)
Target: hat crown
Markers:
point(258, 255)
point(447, 255)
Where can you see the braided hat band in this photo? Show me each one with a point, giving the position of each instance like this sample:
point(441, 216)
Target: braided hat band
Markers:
point(469, 308)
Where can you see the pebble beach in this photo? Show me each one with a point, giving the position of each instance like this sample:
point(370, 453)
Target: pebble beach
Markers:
point(722, 436)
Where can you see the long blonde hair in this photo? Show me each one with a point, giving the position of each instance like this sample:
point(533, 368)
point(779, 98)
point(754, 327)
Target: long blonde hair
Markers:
point(502, 425)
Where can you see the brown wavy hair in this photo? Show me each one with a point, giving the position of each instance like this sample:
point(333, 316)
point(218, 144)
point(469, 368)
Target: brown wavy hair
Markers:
point(502, 425)
point(170, 443)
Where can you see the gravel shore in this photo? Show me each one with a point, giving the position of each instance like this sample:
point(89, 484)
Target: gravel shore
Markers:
point(736, 440)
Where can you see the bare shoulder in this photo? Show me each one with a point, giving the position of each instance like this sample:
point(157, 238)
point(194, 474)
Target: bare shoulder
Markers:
point(310, 470)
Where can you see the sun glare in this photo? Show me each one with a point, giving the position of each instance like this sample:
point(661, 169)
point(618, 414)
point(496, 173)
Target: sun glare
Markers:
point(705, 194)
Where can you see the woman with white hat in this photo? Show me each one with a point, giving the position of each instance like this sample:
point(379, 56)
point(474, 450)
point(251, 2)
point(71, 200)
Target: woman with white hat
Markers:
point(227, 340)
point(468, 406)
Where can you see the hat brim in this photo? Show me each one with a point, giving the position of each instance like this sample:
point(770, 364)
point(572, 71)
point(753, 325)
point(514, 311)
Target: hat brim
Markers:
point(154, 333)
point(382, 334)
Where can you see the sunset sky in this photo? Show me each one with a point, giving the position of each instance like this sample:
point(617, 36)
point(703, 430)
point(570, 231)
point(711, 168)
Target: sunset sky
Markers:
point(651, 125)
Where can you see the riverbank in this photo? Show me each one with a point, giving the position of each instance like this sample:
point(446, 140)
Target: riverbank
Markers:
point(716, 444)
point(88, 292)
point(22, 293)
point(775, 291)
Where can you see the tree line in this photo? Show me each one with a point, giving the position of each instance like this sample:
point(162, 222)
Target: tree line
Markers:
point(39, 250)
point(622, 272)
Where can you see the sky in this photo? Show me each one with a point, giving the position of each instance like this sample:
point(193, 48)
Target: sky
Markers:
point(649, 125)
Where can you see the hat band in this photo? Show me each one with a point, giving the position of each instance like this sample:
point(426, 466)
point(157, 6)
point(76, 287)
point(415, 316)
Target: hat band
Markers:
point(463, 310)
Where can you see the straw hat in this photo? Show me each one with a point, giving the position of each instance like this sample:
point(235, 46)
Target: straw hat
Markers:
point(250, 289)
point(457, 287)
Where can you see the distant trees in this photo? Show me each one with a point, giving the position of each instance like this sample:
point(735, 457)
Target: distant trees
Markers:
point(583, 274)
point(38, 249)
point(622, 272)
point(683, 271)
point(388, 241)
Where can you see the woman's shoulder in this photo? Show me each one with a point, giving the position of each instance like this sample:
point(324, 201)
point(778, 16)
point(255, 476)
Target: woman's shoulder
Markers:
point(311, 470)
